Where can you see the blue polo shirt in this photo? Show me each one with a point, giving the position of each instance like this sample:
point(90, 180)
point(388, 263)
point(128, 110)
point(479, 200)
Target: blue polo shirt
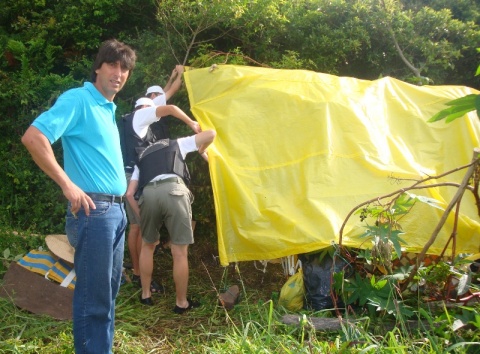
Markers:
point(85, 121)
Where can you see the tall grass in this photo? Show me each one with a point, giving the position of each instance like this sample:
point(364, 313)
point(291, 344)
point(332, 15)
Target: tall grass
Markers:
point(254, 325)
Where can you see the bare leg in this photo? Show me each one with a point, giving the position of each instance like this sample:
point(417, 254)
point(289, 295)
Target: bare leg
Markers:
point(180, 273)
point(146, 267)
point(135, 246)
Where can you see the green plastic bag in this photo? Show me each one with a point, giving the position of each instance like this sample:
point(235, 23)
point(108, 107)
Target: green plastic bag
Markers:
point(293, 292)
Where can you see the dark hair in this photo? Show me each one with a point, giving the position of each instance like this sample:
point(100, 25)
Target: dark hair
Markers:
point(112, 51)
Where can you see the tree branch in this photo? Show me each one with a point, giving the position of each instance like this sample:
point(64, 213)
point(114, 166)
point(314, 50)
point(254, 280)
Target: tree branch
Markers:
point(415, 71)
point(456, 199)
point(413, 186)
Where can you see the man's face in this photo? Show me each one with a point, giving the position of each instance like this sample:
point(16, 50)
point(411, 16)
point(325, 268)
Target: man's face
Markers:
point(110, 79)
point(152, 95)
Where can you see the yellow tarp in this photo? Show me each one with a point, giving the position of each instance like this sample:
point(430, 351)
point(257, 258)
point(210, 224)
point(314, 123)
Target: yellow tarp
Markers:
point(297, 150)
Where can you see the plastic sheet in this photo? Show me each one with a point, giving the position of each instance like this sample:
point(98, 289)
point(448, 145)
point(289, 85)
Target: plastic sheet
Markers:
point(297, 150)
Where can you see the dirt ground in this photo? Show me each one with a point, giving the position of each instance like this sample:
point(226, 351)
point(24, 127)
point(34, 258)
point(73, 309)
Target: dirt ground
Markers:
point(257, 284)
point(262, 281)
point(206, 271)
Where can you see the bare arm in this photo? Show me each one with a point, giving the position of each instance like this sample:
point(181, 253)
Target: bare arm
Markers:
point(174, 82)
point(171, 110)
point(204, 155)
point(203, 140)
point(130, 195)
point(41, 150)
point(170, 80)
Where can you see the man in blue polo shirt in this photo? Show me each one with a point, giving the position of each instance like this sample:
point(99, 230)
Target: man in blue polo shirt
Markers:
point(93, 181)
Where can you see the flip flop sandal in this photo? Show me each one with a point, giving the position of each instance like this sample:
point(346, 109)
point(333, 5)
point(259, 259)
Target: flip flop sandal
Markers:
point(156, 288)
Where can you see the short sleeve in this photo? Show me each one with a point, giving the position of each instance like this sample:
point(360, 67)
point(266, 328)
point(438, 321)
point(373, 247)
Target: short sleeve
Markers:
point(135, 174)
point(187, 145)
point(60, 119)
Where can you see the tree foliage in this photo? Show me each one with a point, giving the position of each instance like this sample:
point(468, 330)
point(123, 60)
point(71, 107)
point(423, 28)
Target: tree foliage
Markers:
point(459, 107)
point(48, 47)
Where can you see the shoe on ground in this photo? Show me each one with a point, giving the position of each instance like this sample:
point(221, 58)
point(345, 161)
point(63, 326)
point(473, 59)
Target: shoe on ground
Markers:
point(147, 301)
point(155, 288)
point(192, 304)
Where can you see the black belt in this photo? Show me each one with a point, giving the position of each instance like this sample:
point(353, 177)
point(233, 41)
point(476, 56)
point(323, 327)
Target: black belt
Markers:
point(106, 197)
point(169, 179)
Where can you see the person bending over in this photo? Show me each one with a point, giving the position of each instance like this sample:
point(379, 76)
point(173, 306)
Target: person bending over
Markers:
point(159, 183)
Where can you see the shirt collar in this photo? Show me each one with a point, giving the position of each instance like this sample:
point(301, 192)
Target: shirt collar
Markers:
point(101, 100)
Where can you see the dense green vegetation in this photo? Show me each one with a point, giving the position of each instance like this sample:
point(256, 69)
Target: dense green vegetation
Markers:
point(48, 47)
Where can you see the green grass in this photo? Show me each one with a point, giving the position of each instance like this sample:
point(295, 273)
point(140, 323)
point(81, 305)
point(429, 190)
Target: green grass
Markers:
point(253, 326)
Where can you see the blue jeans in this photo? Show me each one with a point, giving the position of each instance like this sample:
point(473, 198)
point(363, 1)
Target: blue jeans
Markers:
point(98, 240)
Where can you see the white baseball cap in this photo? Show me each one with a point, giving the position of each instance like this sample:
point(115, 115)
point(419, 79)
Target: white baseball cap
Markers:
point(156, 89)
point(144, 101)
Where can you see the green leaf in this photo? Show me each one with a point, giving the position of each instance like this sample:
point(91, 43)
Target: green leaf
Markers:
point(477, 104)
point(430, 201)
point(6, 253)
point(463, 101)
point(376, 211)
point(338, 279)
point(404, 203)
point(478, 72)
point(458, 108)
point(401, 273)
point(396, 308)
point(440, 115)
point(458, 114)
point(369, 232)
point(396, 245)
point(379, 284)
point(451, 113)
